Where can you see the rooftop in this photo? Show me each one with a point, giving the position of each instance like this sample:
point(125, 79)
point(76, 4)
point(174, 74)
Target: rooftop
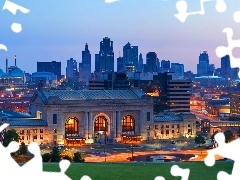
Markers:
point(92, 94)
point(21, 119)
point(27, 122)
point(167, 118)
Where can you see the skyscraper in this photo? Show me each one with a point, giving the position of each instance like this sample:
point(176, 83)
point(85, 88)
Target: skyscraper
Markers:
point(140, 63)
point(71, 70)
point(203, 65)
point(53, 67)
point(178, 69)
point(97, 63)
point(120, 64)
point(130, 55)
point(165, 66)
point(106, 55)
point(225, 66)
point(151, 62)
point(86, 65)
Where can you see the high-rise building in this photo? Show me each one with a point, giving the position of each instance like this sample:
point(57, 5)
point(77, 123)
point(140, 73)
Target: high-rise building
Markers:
point(151, 62)
point(225, 66)
point(140, 63)
point(120, 64)
point(226, 70)
point(203, 65)
point(130, 55)
point(71, 70)
point(106, 55)
point(178, 95)
point(86, 65)
point(178, 69)
point(97, 63)
point(53, 67)
point(165, 66)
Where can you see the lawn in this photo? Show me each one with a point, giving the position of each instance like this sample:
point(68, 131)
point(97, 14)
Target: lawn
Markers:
point(140, 171)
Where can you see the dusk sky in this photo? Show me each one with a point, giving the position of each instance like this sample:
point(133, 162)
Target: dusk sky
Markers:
point(58, 30)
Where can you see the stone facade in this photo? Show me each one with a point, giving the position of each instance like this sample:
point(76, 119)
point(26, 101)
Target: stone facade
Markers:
point(174, 126)
point(76, 117)
point(86, 111)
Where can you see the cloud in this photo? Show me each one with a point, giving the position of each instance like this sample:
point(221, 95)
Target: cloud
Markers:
point(111, 1)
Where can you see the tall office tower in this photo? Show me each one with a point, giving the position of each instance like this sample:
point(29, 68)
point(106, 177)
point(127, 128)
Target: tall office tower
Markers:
point(97, 63)
point(234, 73)
point(130, 55)
point(178, 69)
point(120, 64)
point(71, 70)
point(53, 67)
point(165, 66)
point(80, 72)
point(106, 55)
point(140, 63)
point(158, 66)
point(178, 95)
point(151, 62)
point(86, 65)
point(203, 65)
point(225, 66)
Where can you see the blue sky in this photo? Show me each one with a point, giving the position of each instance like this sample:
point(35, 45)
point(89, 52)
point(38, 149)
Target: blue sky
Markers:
point(58, 30)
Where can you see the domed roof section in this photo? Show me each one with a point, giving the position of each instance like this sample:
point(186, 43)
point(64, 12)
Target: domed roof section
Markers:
point(17, 72)
point(2, 73)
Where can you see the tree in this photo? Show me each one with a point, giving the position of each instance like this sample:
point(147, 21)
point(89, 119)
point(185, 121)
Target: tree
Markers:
point(46, 157)
point(228, 136)
point(67, 158)
point(78, 157)
point(199, 139)
point(9, 136)
point(23, 149)
point(55, 155)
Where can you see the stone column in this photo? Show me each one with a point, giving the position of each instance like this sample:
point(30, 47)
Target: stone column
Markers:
point(119, 125)
point(81, 126)
point(90, 121)
point(86, 125)
point(113, 125)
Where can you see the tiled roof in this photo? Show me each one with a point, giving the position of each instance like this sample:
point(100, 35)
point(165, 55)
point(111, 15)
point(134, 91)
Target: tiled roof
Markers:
point(167, 118)
point(92, 94)
point(14, 114)
point(27, 122)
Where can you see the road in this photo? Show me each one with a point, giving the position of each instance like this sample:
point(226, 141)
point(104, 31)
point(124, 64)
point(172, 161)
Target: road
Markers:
point(122, 157)
point(205, 116)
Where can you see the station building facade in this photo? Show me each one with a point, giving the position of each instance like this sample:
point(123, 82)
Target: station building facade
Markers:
point(75, 117)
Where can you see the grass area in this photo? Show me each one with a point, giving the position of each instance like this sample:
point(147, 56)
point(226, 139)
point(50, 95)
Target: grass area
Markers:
point(140, 171)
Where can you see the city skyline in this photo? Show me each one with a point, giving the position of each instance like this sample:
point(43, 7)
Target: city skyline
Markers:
point(61, 33)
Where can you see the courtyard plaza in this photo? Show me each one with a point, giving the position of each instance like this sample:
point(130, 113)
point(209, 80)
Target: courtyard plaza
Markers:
point(122, 152)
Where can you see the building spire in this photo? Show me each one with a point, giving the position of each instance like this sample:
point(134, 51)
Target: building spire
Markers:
point(15, 57)
point(6, 64)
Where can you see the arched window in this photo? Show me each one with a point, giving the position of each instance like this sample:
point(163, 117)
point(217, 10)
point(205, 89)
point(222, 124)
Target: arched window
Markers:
point(100, 124)
point(72, 126)
point(128, 125)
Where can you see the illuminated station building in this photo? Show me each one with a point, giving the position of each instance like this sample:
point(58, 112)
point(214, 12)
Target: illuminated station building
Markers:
point(75, 117)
